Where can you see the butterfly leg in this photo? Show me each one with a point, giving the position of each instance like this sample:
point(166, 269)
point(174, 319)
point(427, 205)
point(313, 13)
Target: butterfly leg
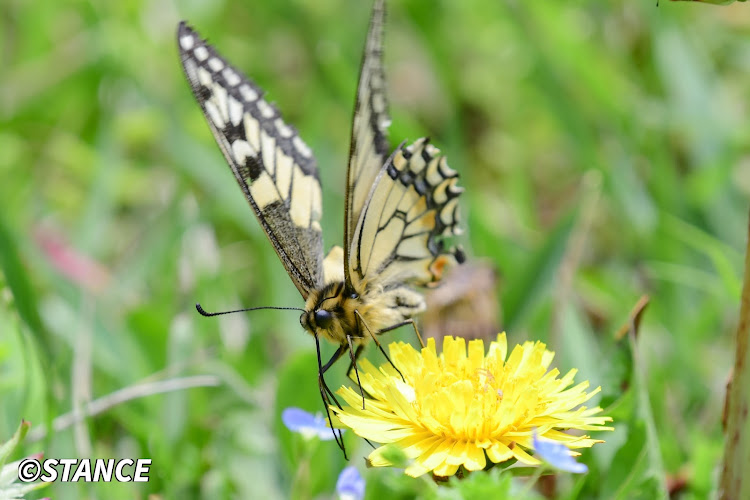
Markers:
point(380, 346)
point(323, 369)
point(325, 393)
point(416, 330)
point(353, 364)
point(353, 356)
point(404, 323)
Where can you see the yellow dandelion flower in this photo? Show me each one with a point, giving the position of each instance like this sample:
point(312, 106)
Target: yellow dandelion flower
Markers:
point(464, 408)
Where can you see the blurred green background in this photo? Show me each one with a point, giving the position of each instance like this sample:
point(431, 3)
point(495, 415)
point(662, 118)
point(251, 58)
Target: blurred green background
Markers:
point(604, 151)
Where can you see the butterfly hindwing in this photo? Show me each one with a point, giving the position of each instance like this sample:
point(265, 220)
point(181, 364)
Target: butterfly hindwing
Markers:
point(413, 205)
point(369, 148)
point(275, 169)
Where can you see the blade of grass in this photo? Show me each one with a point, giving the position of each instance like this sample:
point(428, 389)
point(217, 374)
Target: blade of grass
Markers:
point(734, 481)
point(538, 274)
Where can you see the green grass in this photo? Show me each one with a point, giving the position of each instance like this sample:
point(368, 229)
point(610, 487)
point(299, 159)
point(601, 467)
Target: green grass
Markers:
point(603, 147)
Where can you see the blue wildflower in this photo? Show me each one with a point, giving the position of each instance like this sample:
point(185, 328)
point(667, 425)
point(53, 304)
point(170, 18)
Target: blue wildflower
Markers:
point(557, 455)
point(307, 424)
point(350, 485)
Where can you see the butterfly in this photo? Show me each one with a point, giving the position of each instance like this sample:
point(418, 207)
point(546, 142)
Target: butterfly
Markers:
point(400, 205)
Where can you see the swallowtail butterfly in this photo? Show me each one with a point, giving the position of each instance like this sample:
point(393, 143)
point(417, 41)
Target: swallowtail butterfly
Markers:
point(399, 206)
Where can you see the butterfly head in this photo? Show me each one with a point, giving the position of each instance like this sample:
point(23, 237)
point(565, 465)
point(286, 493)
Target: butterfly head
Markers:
point(323, 318)
point(329, 312)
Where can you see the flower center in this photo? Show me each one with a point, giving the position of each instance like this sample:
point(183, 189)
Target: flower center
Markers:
point(460, 404)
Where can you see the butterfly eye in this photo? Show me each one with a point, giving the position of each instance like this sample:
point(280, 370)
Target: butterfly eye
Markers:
point(323, 318)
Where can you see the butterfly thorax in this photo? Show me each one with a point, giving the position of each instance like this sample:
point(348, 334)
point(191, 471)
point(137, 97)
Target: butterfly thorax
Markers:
point(336, 312)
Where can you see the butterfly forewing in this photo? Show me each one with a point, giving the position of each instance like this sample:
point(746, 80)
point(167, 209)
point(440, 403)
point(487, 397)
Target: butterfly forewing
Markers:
point(369, 147)
point(274, 167)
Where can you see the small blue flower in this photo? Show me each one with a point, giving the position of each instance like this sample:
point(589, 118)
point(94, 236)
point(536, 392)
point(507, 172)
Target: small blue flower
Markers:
point(350, 485)
point(557, 455)
point(307, 424)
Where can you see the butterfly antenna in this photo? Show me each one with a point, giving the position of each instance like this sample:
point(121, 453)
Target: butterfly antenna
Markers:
point(209, 314)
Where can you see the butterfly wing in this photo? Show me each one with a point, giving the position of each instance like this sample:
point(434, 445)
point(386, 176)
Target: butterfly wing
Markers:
point(398, 208)
point(275, 169)
point(398, 241)
point(369, 147)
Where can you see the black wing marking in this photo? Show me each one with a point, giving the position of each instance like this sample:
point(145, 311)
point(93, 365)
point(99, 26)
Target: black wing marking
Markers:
point(275, 169)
